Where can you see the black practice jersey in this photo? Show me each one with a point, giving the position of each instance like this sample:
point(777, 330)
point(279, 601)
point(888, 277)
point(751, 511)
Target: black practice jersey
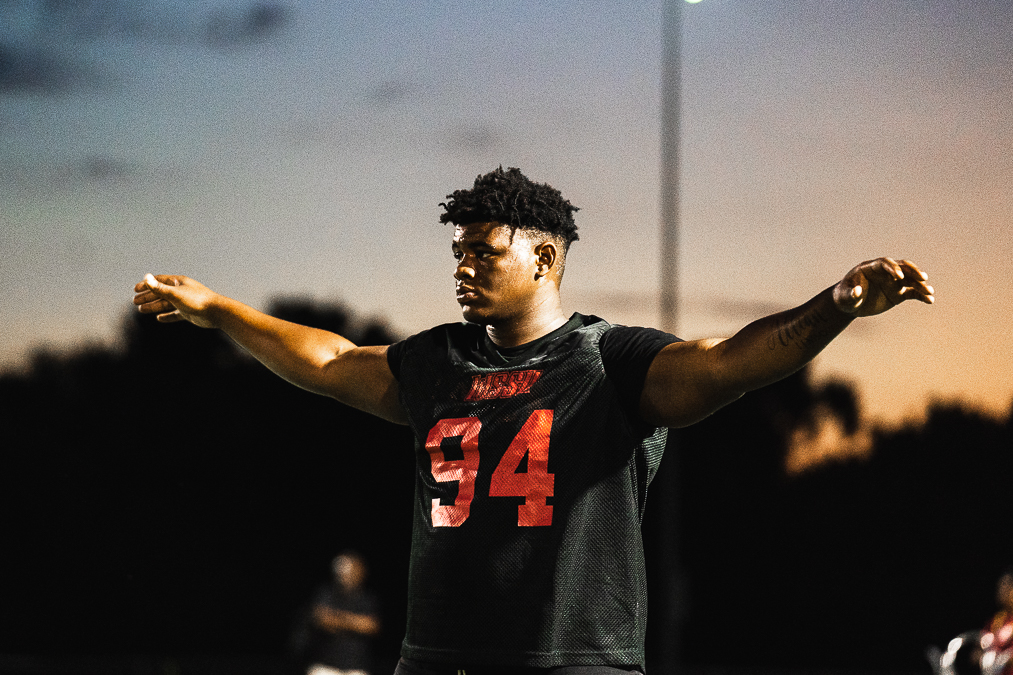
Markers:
point(532, 473)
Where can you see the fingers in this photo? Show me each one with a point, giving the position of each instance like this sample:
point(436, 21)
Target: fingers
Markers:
point(162, 282)
point(888, 266)
point(911, 271)
point(903, 279)
point(150, 294)
point(877, 285)
point(175, 298)
point(170, 317)
point(916, 285)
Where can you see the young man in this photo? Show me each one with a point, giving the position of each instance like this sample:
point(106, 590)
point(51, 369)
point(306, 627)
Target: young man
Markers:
point(536, 434)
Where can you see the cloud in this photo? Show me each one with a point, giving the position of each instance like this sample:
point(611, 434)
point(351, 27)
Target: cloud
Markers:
point(744, 311)
point(257, 23)
point(38, 49)
point(56, 21)
point(726, 308)
point(390, 93)
point(98, 168)
point(94, 19)
point(715, 307)
point(475, 138)
point(28, 70)
point(94, 170)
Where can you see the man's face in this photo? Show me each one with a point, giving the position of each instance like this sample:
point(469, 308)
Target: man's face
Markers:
point(348, 571)
point(496, 271)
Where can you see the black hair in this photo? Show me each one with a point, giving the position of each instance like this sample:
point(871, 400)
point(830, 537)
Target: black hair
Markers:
point(511, 198)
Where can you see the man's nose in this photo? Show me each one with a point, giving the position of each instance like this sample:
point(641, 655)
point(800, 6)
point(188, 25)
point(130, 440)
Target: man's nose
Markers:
point(464, 271)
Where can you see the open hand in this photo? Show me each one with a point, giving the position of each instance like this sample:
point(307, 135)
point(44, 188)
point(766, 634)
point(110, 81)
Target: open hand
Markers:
point(877, 285)
point(175, 298)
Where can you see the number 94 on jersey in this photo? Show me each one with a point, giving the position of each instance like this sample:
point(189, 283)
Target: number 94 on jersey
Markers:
point(534, 484)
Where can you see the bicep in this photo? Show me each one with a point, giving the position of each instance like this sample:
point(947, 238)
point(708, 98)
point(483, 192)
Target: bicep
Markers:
point(686, 383)
point(361, 378)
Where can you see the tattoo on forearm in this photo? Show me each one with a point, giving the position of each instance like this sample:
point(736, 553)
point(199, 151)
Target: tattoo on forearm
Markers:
point(802, 331)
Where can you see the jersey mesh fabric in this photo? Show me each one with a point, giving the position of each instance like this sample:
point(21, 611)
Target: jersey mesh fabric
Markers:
point(491, 591)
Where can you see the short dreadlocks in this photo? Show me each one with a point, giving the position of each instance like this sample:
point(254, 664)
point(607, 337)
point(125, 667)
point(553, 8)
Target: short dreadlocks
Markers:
point(511, 198)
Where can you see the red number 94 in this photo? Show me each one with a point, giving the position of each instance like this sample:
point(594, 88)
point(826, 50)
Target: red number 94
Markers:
point(535, 484)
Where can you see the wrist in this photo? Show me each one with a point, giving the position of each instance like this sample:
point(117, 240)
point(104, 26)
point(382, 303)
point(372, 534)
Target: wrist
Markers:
point(221, 312)
point(842, 296)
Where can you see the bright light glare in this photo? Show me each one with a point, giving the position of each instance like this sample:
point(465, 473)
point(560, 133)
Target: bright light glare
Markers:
point(692, 2)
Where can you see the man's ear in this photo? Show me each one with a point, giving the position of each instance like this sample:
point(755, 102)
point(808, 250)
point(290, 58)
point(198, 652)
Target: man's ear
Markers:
point(546, 253)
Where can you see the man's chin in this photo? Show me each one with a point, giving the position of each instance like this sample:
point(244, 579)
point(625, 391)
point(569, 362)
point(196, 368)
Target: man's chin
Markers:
point(475, 315)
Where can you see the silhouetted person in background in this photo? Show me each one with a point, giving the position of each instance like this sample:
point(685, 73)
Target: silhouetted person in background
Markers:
point(344, 619)
point(537, 433)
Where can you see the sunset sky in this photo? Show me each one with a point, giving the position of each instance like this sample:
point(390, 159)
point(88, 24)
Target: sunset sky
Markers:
point(288, 148)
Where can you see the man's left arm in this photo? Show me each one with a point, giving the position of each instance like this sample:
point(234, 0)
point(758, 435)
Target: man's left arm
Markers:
point(688, 381)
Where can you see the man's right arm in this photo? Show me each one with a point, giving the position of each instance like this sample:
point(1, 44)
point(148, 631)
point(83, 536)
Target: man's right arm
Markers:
point(317, 360)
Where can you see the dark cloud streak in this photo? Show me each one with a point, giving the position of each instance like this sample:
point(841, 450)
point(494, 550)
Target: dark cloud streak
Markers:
point(27, 70)
point(718, 307)
point(737, 311)
point(475, 138)
point(44, 57)
point(43, 176)
point(88, 20)
point(258, 23)
point(102, 169)
point(390, 93)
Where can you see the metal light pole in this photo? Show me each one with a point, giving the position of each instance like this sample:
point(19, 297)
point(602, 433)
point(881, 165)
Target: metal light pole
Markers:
point(668, 599)
point(671, 83)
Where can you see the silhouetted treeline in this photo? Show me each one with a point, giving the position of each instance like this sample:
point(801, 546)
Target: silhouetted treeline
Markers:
point(175, 496)
point(172, 496)
point(858, 564)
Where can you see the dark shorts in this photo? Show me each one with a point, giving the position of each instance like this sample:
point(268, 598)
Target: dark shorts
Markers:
point(412, 667)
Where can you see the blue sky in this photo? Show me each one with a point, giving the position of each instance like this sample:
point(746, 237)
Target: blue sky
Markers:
point(302, 148)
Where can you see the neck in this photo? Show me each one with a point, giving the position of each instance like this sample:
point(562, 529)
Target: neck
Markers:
point(540, 320)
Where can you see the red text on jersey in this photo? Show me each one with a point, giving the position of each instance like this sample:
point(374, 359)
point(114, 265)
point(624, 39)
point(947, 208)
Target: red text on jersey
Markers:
point(502, 385)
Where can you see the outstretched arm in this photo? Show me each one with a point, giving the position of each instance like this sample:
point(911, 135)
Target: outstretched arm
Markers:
point(688, 381)
point(314, 359)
